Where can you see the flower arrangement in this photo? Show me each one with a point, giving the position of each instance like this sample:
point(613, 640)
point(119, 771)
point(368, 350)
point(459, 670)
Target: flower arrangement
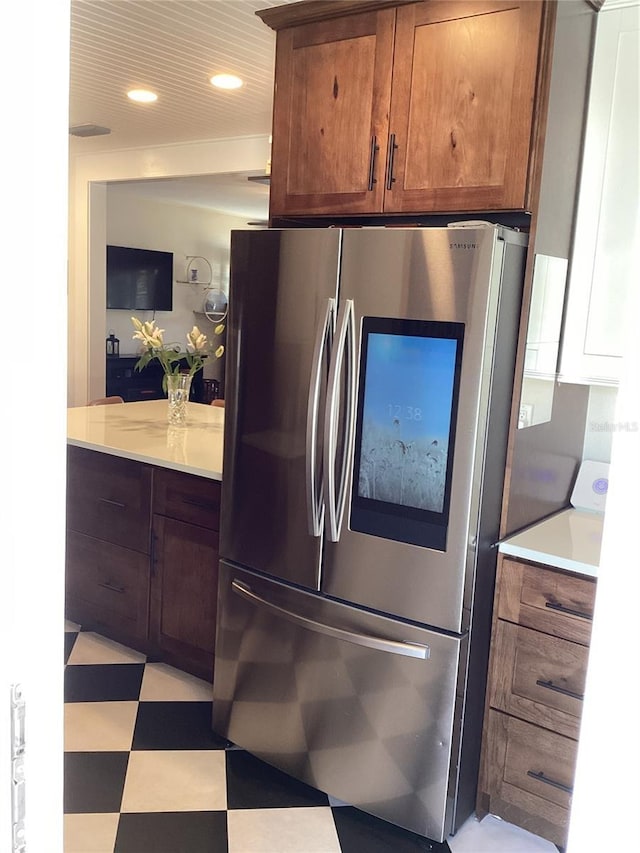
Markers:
point(169, 355)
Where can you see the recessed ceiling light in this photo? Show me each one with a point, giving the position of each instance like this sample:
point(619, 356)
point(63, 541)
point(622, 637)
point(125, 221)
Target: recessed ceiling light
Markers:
point(226, 81)
point(143, 96)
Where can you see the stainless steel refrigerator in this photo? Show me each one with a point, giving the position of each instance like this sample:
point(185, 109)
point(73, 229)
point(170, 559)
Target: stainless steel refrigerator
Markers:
point(369, 379)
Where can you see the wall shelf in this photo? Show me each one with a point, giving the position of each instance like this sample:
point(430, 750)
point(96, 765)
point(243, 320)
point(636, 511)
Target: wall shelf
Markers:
point(197, 271)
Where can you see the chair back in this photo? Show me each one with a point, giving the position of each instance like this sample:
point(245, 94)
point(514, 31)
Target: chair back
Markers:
point(105, 401)
point(218, 403)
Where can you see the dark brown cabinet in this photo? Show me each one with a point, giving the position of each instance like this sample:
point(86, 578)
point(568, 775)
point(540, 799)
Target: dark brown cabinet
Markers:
point(537, 672)
point(108, 540)
point(142, 556)
point(184, 570)
point(424, 108)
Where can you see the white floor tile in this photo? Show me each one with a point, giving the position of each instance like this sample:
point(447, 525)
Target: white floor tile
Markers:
point(311, 830)
point(99, 726)
point(493, 835)
point(91, 648)
point(163, 683)
point(90, 833)
point(175, 781)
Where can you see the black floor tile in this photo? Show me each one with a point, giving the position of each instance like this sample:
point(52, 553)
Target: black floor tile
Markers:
point(172, 832)
point(175, 725)
point(69, 640)
point(359, 832)
point(103, 682)
point(94, 781)
point(252, 784)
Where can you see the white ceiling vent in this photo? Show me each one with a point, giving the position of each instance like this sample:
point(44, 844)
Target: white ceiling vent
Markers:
point(89, 130)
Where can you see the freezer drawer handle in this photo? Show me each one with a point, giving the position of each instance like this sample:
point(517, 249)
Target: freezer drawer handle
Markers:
point(394, 647)
point(323, 342)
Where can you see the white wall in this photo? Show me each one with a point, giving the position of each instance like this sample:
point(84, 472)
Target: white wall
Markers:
point(169, 227)
point(88, 179)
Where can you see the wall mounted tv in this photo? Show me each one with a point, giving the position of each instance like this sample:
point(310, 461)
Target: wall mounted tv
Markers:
point(139, 279)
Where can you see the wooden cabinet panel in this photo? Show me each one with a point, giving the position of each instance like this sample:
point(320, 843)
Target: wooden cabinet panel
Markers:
point(107, 588)
point(109, 497)
point(538, 678)
point(424, 108)
point(333, 83)
point(186, 497)
point(549, 601)
point(537, 671)
point(531, 775)
point(184, 590)
point(464, 82)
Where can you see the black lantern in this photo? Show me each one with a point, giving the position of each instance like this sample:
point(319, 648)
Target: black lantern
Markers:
point(113, 344)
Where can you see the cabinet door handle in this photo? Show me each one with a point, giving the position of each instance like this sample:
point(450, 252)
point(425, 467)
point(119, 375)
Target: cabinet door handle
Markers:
point(372, 163)
point(112, 503)
point(561, 608)
point(112, 587)
point(547, 781)
point(390, 157)
point(551, 686)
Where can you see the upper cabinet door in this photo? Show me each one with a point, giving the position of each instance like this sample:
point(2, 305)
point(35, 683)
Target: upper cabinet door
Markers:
point(331, 106)
point(464, 86)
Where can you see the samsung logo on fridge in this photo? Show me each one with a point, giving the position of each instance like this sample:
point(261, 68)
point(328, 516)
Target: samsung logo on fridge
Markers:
point(463, 245)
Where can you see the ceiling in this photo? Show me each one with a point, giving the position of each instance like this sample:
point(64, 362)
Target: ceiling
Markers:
point(173, 47)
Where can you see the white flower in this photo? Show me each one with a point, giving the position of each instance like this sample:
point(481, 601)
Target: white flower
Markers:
point(196, 341)
point(148, 333)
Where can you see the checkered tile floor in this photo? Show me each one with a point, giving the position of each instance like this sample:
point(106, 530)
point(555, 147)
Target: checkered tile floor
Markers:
point(144, 773)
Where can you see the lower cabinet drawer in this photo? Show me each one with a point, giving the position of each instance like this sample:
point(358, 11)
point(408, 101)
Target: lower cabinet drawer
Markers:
point(538, 678)
point(195, 500)
point(107, 587)
point(532, 772)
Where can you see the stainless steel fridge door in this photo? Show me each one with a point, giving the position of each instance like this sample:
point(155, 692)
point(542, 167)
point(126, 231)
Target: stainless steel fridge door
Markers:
point(441, 274)
point(282, 312)
point(355, 704)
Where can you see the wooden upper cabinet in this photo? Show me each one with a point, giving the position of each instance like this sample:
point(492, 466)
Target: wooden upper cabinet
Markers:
point(464, 81)
point(424, 108)
point(330, 122)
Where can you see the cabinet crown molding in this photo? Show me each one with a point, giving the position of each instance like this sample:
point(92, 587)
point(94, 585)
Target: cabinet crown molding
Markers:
point(311, 11)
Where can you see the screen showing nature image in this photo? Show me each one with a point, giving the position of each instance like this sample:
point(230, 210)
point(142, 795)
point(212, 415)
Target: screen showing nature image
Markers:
point(406, 419)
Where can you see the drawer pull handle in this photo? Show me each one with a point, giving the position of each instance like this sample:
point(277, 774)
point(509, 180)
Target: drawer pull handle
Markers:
point(562, 609)
point(551, 686)
point(112, 503)
point(542, 778)
point(112, 587)
point(200, 503)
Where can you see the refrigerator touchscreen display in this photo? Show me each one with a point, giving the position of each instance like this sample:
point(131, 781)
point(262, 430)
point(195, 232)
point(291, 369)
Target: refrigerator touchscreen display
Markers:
point(407, 404)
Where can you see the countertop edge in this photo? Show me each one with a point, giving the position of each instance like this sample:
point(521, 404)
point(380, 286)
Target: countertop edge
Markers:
point(148, 460)
point(548, 559)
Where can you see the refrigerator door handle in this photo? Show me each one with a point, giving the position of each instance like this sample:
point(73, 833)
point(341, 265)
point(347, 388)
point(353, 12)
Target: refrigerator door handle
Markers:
point(394, 647)
point(344, 352)
point(323, 342)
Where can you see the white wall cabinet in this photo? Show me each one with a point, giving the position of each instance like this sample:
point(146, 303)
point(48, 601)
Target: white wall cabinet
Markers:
point(606, 254)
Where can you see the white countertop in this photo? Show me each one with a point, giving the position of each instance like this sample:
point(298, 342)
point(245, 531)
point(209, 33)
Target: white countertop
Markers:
point(140, 431)
point(570, 539)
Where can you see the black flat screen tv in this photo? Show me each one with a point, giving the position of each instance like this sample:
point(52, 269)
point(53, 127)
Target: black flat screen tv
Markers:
point(139, 279)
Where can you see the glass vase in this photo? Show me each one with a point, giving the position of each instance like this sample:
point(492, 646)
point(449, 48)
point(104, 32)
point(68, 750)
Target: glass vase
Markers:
point(178, 388)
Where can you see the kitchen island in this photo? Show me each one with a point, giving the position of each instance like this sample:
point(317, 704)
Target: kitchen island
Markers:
point(140, 431)
point(143, 507)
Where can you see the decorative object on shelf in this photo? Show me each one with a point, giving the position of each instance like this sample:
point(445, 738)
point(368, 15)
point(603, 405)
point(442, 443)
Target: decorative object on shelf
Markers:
point(178, 390)
point(215, 305)
point(113, 344)
point(170, 356)
point(198, 271)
